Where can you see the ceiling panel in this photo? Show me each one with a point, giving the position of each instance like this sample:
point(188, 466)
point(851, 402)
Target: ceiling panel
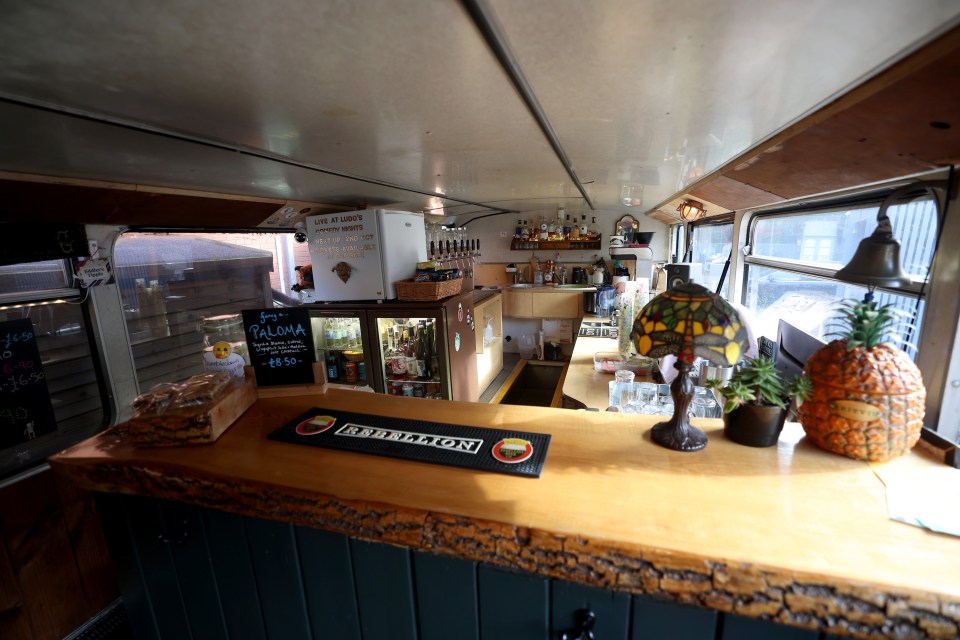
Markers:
point(660, 94)
point(366, 102)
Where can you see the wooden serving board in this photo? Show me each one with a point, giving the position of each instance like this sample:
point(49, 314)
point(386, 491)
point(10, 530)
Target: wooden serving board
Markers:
point(205, 425)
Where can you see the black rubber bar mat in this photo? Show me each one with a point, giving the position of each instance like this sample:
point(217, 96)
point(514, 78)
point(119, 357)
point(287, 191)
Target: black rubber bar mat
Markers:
point(511, 452)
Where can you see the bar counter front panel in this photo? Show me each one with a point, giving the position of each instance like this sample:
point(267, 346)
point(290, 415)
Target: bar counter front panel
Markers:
point(790, 535)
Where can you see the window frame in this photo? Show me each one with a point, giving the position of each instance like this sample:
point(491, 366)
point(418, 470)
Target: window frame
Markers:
point(938, 346)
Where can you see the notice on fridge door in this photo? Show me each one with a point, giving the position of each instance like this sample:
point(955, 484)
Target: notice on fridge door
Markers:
point(280, 342)
point(345, 254)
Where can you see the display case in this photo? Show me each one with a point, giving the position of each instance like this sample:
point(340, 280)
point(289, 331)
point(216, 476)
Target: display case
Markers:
point(419, 349)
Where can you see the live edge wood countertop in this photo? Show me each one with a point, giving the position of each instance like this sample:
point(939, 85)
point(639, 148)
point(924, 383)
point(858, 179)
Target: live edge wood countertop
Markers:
point(789, 533)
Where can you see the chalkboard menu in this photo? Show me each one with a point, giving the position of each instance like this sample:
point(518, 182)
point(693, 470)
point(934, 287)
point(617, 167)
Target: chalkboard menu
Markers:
point(25, 409)
point(33, 242)
point(280, 342)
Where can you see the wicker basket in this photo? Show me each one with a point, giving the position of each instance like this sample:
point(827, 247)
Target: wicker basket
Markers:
point(411, 291)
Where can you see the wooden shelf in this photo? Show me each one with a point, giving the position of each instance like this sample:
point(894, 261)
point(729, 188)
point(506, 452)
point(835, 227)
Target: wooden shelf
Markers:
point(560, 245)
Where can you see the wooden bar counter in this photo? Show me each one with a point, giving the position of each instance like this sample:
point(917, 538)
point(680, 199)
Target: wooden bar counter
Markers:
point(789, 534)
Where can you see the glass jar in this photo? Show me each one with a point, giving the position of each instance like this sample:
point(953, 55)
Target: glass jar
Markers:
point(225, 328)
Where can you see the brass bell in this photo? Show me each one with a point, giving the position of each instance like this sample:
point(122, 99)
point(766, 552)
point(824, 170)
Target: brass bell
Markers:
point(876, 262)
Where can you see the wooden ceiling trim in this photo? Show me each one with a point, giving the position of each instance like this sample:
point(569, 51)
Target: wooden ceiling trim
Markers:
point(817, 154)
point(734, 194)
point(68, 201)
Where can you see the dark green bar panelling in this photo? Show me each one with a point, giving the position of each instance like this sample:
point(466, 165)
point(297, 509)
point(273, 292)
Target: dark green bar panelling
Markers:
point(277, 567)
point(123, 555)
point(236, 582)
point(328, 579)
point(192, 561)
point(742, 628)
point(513, 606)
point(446, 597)
point(196, 574)
point(159, 573)
point(384, 579)
point(612, 610)
point(657, 619)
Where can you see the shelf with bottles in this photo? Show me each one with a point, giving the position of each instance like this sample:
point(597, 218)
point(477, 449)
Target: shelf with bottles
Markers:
point(561, 234)
point(555, 245)
point(344, 367)
point(411, 360)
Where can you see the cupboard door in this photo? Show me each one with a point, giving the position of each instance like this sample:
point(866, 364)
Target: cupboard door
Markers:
point(557, 305)
point(612, 610)
point(518, 304)
point(513, 606)
point(446, 597)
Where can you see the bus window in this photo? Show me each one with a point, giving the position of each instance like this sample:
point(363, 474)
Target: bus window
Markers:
point(710, 245)
point(170, 282)
point(793, 256)
point(40, 296)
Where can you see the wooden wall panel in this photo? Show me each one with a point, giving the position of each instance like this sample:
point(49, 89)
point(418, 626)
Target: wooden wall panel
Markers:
point(384, 579)
point(230, 558)
point(446, 597)
point(743, 628)
point(41, 557)
point(328, 580)
point(658, 619)
point(513, 606)
point(276, 563)
point(191, 558)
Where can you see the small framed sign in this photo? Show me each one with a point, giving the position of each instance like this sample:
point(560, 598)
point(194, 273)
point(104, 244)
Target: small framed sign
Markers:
point(280, 342)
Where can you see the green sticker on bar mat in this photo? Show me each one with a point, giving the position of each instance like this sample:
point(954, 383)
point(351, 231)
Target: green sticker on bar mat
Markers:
point(512, 452)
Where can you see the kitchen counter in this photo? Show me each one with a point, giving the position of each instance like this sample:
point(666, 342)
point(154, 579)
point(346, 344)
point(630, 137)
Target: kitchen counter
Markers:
point(789, 533)
point(583, 382)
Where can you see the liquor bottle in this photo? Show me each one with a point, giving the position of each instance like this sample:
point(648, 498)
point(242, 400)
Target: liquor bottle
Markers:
point(584, 229)
point(558, 235)
point(421, 351)
point(518, 232)
point(567, 229)
point(524, 231)
point(544, 236)
point(594, 229)
point(575, 230)
point(333, 368)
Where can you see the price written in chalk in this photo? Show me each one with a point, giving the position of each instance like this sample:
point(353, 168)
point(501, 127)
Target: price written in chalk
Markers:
point(276, 363)
point(11, 338)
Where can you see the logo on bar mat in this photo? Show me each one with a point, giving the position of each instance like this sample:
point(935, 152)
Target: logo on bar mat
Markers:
point(315, 425)
point(512, 450)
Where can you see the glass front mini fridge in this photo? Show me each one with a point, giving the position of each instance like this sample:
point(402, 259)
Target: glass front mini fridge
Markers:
point(418, 349)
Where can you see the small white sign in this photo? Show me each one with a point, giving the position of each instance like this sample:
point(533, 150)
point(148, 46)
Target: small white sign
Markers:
point(94, 272)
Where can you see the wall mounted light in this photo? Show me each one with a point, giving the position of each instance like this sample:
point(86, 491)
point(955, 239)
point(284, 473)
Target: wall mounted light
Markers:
point(692, 210)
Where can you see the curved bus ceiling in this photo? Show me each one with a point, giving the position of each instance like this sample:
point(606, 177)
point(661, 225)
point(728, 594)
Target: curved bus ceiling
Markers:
point(471, 107)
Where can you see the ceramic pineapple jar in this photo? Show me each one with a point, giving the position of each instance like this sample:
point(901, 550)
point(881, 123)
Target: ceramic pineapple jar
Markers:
point(868, 397)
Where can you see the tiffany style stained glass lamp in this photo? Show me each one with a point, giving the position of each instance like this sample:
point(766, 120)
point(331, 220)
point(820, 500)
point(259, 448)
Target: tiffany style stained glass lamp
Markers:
point(688, 321)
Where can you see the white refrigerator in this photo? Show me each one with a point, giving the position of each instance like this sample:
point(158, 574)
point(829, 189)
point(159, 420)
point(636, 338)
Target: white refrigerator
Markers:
point(358, 255)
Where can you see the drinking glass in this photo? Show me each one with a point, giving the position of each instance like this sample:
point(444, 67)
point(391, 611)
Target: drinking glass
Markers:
point(646, 398)
point(630, 398)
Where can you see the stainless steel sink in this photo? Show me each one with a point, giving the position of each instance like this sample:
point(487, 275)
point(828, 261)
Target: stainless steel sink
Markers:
point(523, 286)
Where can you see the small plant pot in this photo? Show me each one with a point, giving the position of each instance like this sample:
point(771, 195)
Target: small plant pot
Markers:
point(754, 426)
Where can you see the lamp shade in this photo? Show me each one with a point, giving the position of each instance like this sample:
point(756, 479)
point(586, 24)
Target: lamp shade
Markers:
point(691, 322)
